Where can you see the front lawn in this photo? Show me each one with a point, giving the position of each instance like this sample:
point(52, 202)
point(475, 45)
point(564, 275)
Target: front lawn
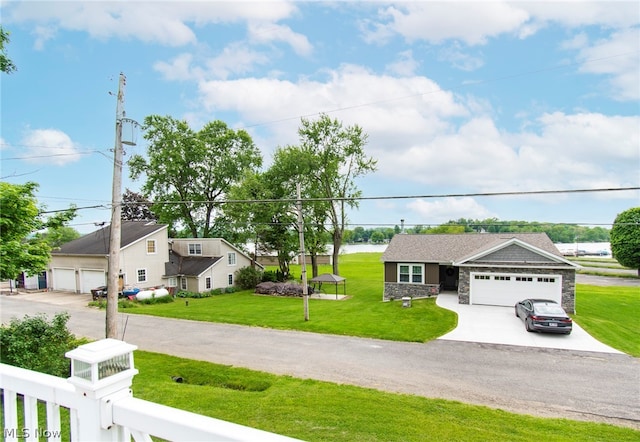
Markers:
point(322, 411)
point(610, 314)
point(363, 314)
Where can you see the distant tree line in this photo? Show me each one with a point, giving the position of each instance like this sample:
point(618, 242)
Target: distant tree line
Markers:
point(558, 233)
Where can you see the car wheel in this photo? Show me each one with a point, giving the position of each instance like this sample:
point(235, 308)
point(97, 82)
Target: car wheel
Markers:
point(527, 325)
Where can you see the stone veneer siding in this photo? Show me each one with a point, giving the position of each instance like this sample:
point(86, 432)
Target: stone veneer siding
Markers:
point(394, 290)
point(568, 282)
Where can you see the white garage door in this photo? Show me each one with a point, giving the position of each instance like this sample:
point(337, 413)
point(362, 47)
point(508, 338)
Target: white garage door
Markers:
point(508, 288)
point(64, 279)
point(90, 279)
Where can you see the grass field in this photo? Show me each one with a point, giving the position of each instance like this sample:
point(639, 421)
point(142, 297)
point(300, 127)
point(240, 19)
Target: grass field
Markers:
point(363, 314)
point(607, 313)
point(321, 411)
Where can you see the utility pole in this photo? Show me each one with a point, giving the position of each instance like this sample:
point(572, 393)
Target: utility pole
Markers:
point(113, 269)
point(305, 287)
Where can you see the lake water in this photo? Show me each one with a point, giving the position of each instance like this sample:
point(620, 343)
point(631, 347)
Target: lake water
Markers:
point(589, 247)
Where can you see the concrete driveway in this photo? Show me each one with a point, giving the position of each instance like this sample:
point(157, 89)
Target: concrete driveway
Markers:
point(499, 325)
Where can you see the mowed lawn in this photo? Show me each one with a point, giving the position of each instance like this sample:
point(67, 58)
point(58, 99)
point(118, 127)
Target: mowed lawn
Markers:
point(322, 411)
point(610, 314)
point(362, 314)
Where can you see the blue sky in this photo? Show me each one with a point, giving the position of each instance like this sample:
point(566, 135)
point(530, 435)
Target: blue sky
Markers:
point(456, 97)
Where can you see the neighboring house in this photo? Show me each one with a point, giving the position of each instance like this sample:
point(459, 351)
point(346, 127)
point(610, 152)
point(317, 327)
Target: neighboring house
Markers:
point(484, 268)
point(203, 264)
point(81, 265)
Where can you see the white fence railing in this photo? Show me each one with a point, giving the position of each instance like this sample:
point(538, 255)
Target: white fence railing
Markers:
point(103, 408)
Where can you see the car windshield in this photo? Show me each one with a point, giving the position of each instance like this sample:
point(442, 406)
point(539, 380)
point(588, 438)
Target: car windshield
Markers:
point(549, 309)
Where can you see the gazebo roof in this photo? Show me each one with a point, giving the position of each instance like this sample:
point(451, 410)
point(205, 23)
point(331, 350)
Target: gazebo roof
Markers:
point(328, 277)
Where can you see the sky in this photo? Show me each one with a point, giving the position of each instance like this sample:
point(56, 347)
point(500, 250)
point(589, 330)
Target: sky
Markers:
point(458, 99)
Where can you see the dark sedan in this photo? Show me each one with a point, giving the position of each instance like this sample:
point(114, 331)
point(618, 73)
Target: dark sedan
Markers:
point(543, 315)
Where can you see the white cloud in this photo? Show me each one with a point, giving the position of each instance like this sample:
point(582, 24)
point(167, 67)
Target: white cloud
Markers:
point(442, 210)
point(404, 66)
point(269, 32)
point(472, 22)
point(163, 22)
point(50, 146)
point(618, 56)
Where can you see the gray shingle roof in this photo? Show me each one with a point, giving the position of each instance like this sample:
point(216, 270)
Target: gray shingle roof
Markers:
point(97, 243)
point(448, 248)
point(188, 265)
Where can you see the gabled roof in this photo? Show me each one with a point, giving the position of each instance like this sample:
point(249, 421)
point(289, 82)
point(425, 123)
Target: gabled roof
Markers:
point(97, 243)
point(537, 253)
point(188, 265)
point(450, 248)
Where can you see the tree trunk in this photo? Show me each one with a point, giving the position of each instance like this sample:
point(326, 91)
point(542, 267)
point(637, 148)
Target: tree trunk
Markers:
point(337, 243)
point(314, 264)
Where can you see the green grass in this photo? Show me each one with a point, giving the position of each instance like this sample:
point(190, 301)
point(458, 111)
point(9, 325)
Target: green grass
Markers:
point(321, 411)
point(364, 314)
point(610, 314)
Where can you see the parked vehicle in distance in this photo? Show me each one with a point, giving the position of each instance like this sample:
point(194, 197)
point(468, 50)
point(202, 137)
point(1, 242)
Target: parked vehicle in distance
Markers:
point(543, 315)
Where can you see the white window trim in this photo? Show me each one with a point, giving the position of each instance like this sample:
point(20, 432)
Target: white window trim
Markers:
point(235, 259)
point(146, 275)
point(411, 274)
point(172, 282)
point(183, 283)
point(208, 283)
point(230, 279)
point(155, 247)
point(194, 244)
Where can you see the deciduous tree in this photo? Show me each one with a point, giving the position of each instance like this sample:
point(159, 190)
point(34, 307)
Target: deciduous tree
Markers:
point(21, 248)
point(187, 172)
point(336, 157)
point(6, 65)
point(625, 238)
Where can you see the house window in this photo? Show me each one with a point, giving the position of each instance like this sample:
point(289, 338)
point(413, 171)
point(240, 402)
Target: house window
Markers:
point(142, 275)
point(207, 282)
point(410, 273)
point(231, 258)
point(173, 282)
point(151, 247)
point(524, 278)
point(230, 279)
point(183, 283)
point(482, 277)
point(502, 278)
point(195, 249)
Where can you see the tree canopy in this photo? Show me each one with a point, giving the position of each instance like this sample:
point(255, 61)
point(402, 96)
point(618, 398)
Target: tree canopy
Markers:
point(188, 172)
point(6, 65)
point(21, 248)
point(335, 157)
point(625, 238)
point(135, 207)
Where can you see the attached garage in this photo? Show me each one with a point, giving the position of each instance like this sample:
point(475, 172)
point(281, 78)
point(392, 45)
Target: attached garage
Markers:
point(90, 279)
point(64, 279)
point(506, 289)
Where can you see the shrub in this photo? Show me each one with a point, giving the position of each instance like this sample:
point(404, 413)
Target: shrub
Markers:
point(248, 277)
point(269, 276)
point(36, 344)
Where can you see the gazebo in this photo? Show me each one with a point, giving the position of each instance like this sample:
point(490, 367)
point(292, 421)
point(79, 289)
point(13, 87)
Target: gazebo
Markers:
point(330, 278)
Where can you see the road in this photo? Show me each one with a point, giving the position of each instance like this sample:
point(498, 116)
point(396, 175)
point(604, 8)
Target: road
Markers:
point(538, 381)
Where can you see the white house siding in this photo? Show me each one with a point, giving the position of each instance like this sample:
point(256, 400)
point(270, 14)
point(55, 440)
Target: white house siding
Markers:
point(209, 246)
point(135, 257)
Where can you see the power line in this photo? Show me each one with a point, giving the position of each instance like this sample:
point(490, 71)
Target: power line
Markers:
point(365, 198)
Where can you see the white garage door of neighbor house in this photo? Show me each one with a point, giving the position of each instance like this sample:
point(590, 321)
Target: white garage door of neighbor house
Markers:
point(90, 279)
point(509, 288)
point(64, 279)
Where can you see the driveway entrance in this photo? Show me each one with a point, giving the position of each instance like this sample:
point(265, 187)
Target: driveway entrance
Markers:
point(499, 325)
